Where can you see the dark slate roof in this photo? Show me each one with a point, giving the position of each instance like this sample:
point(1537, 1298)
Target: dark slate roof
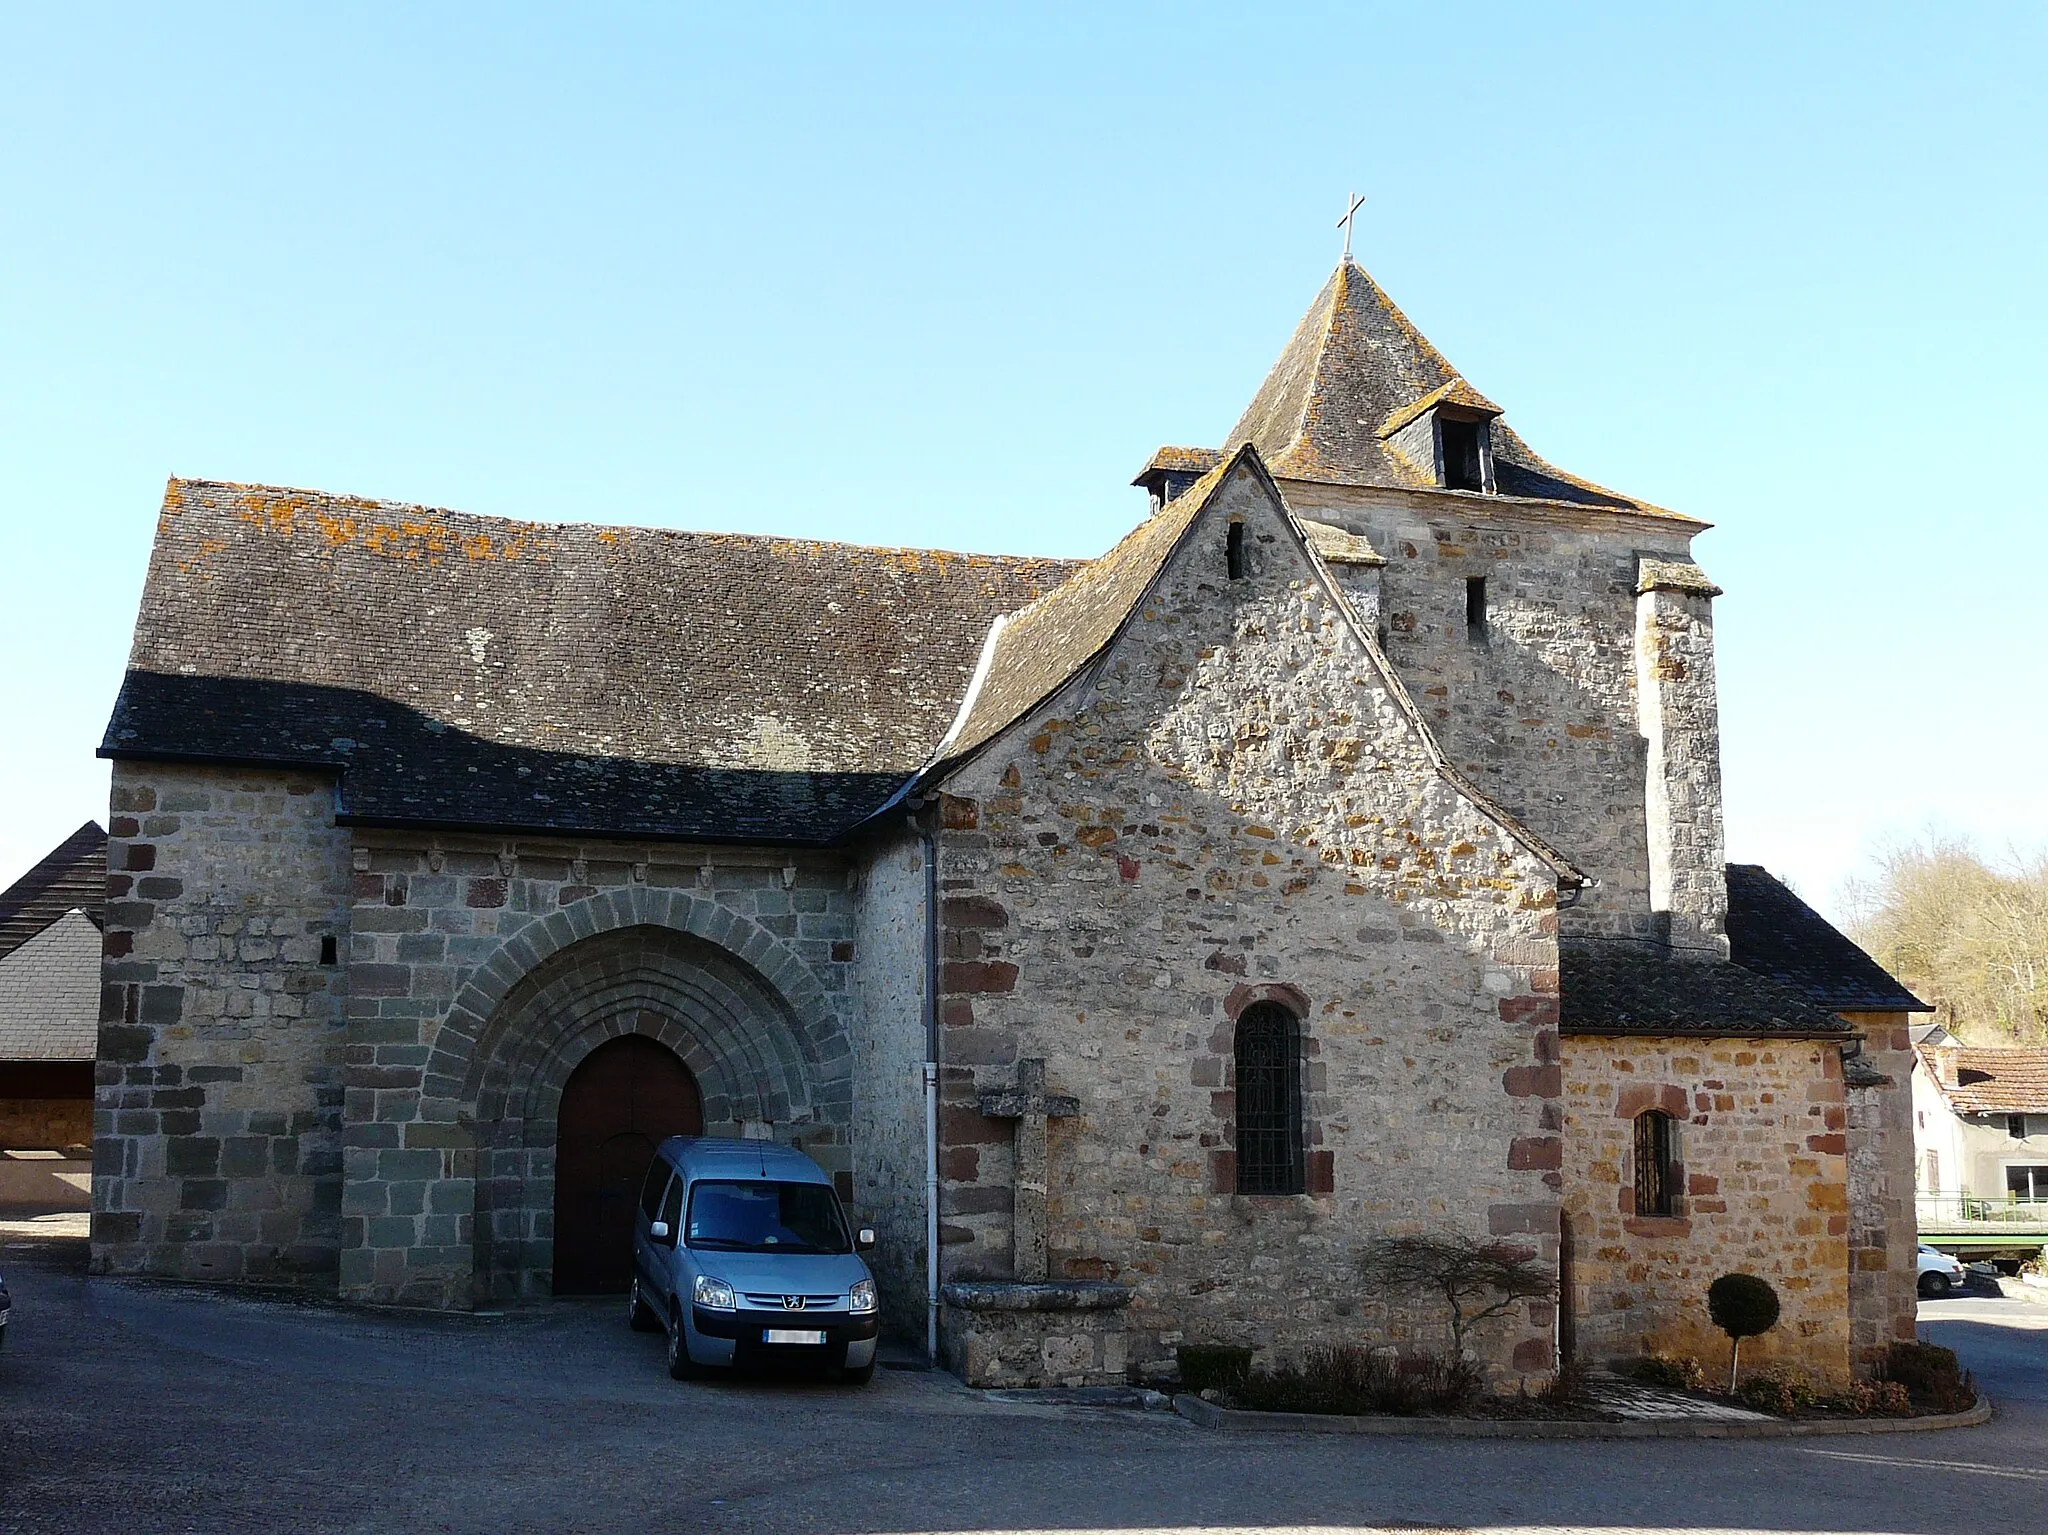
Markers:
point(1989, 1081)
point(72, 875)
point(1353, 373)
point(1625, 988)
point(479, 672)
point(50, 993)
point(1774, 933)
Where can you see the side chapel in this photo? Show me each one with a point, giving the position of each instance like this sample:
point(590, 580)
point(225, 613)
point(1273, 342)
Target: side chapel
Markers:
point(1339, 855)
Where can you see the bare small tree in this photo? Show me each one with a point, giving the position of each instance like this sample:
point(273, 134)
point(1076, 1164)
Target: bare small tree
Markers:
point(1476, 1279)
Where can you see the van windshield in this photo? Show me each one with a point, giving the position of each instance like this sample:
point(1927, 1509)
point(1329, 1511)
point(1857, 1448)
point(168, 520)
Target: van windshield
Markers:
point(759, 1216)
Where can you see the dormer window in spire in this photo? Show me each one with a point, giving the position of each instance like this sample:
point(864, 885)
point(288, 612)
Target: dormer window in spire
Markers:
point(1464, 452)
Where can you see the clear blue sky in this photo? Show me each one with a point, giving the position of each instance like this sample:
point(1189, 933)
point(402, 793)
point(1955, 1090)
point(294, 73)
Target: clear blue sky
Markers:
point(947, 275)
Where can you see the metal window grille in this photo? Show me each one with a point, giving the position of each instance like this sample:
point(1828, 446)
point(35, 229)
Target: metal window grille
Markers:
point(1268, 1102)
point(1656, 1179)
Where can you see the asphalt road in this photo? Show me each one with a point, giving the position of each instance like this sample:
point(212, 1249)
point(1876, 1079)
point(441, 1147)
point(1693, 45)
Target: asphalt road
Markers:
point(137, 1408)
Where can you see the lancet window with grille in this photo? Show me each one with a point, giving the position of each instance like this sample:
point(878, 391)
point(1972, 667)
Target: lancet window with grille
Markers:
point(1656, 1159)
point(1269, 1140)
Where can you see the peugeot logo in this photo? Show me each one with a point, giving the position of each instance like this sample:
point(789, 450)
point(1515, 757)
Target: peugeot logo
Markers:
point(792, 1303)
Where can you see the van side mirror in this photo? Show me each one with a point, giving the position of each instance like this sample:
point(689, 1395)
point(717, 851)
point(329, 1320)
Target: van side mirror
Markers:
point(864, 1239)
point(658, 1231)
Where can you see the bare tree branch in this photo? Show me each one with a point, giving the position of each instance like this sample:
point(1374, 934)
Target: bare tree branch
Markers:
point(1477, 1279)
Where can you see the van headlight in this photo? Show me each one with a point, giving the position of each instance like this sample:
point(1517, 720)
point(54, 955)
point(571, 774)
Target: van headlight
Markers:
point(713, 1294)
point(862, 1296)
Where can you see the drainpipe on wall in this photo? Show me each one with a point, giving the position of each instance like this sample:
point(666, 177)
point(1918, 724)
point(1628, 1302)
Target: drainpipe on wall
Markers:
point(931, 1087)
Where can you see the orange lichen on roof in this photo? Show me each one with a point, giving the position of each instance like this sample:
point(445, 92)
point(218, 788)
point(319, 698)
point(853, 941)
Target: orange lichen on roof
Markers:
point(1180, 460)
point(1456, 392)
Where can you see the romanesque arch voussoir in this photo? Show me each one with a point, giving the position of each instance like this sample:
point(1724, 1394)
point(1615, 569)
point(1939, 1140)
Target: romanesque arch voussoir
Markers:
point(819, 1030)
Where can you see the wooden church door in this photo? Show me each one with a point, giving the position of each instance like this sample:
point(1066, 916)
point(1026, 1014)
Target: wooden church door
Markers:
point(625, 1099)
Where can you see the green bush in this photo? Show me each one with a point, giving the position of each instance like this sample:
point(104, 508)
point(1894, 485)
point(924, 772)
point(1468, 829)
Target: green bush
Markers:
point(1873, 1399)
point(1932, 1374)
point(1776, 1390)
point(1667, 1370)
point(1212, 1366)
point(1351, 1381)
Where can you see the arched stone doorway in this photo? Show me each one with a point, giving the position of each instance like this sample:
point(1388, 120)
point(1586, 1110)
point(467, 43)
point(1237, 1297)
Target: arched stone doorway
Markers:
point(725, 1006)
point(627, 1097)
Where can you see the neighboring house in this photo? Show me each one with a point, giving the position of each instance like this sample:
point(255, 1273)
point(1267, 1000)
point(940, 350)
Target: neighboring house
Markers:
point(50, 995)
point(1338, 856)
point(1980, 1122)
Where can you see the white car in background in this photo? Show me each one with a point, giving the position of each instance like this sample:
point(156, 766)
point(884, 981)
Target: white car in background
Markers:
point(1939, 1273)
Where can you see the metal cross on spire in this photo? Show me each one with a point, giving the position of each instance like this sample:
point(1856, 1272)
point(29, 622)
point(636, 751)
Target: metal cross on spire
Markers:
point(1345, 223)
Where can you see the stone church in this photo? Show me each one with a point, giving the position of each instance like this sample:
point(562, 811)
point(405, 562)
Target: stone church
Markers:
point(1339, 855)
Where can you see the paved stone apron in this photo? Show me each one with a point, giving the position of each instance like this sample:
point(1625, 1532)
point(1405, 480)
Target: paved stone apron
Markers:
point(150, 1408)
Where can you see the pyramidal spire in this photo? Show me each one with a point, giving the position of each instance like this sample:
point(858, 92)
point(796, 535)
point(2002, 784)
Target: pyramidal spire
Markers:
point(1360, 397)
point(1353, 369)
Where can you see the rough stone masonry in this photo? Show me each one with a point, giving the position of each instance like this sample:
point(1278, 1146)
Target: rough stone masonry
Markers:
point(1339, 856)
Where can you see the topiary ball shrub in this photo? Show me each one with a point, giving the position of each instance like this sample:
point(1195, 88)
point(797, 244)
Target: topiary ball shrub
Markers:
point(1212, 1366)
point(1742, 1306)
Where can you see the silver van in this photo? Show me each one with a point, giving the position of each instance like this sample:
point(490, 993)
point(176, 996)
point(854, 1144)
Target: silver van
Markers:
point(741, 1254)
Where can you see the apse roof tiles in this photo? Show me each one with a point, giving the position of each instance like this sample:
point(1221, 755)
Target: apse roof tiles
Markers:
point(1774, 933)
point(1628, 988)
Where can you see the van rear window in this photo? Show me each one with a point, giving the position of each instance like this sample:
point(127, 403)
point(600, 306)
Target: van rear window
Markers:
point(761, 1216)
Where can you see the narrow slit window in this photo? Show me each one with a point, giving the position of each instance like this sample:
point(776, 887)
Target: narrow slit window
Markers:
point(1233, 551)
point(329, 950)
point(1656, 1149)
point(1475, 607)
point(1269, 1138)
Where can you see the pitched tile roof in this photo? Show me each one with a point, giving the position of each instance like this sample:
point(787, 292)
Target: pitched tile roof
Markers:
point(1774, 933)
point(1179, 461)
point(1035, 651)
point(50, 993)
point(1978, 1081)
point(73, 874)
point(476, 671)
point(1626, 988)
point(1355, 371)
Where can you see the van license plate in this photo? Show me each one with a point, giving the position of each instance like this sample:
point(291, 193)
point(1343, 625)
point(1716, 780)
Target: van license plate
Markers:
point(791, 1335)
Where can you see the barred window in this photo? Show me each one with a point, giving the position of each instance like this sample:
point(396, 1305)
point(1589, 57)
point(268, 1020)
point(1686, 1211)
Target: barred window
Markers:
point(1268, 1101)
point(1656, 1164)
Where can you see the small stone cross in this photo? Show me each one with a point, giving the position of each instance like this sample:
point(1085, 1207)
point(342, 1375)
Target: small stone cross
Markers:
point(1031, 1106)
point(1350, 218)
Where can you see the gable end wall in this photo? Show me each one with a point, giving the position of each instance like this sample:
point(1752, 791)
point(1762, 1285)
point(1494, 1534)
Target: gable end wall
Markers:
point(1231, 807)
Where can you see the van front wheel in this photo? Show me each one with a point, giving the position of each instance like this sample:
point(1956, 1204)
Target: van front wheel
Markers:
point(857, 1375)
point(680, 1365)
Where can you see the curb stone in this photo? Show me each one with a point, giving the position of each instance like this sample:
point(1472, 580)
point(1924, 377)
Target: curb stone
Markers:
point(1209, 1415)
point(1082, 1396)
